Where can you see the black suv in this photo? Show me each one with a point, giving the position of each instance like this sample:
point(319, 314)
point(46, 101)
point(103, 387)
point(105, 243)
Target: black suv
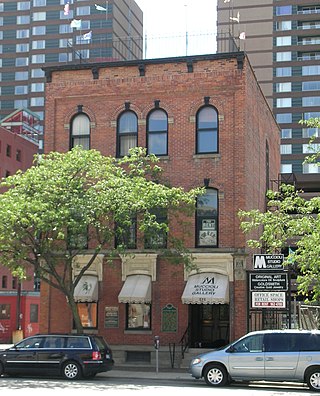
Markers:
point(72, 356)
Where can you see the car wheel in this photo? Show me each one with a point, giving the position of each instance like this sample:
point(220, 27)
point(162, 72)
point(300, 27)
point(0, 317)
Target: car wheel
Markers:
point(71, 370)
point(215, 375)
point(313, 379)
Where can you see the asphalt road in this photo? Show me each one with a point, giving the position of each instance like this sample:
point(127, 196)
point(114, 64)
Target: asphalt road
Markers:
point(120, 385)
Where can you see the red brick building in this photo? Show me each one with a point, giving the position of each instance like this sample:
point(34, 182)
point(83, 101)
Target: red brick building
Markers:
point(207, 120)
point(19, 301)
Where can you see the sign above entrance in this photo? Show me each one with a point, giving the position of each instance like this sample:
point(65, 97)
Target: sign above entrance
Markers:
point(268, 262)
point(206, 288)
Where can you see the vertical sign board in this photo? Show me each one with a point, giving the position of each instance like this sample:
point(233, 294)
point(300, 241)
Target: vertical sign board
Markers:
point(268, 290)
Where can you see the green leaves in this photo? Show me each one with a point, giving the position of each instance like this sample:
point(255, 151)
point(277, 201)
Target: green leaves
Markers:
point(289, 221)
point(66, 201)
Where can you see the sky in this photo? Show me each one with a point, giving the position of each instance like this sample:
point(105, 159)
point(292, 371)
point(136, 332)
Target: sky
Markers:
point(173, 18)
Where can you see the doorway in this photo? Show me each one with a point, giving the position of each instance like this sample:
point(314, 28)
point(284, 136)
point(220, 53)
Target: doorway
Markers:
point(209, 325)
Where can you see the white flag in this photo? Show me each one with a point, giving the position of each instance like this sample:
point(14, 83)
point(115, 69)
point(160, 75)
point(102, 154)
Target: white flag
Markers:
point(237, 18)
point(76, 23)
point(87, 36)
point(100, 8)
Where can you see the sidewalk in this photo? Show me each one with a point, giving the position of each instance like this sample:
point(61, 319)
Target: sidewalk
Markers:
point(165, 374)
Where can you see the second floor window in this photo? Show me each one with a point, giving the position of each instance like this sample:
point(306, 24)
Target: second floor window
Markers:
point(156, 237)
point(207, 130)
point(157, 132)
point(207, 219)
point(80, 131)
point(127, 133)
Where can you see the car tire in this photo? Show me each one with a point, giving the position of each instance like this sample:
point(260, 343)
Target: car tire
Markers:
point(71, 370)
point(313, 379)
point(215, 375)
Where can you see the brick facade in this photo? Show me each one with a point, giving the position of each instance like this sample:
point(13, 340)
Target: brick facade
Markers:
point(182, 85)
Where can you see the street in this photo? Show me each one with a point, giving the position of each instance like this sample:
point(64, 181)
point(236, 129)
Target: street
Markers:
point(122, 385)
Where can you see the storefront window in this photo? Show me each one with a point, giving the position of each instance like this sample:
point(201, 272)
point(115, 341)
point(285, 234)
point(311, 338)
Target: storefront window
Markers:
point(139, 316)
point(88, 314)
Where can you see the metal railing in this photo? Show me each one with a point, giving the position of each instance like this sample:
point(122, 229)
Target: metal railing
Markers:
point(150, 47)
point(185, 341)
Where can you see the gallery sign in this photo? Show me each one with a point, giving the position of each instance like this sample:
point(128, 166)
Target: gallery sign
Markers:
point(268, 262)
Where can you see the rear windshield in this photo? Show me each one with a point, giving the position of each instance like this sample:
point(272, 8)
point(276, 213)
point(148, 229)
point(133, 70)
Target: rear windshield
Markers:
point(101, 343)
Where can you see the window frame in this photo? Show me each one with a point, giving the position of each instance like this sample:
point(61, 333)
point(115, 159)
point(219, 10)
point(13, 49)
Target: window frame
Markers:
point(82, 135)
point(213, 218)
point(122, 133)
point(214, 129)
point(154, 132)
point(144, 316)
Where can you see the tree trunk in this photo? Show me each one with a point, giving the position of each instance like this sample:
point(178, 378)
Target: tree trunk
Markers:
point(75, 315)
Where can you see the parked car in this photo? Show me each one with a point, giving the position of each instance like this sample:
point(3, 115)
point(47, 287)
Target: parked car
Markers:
point(71, 356)
point(272, 355)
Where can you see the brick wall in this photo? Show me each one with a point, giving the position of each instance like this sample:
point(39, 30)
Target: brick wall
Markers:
point(246, 126)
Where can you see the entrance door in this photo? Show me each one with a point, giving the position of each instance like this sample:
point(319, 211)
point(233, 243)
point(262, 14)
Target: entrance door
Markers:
point(209, 325)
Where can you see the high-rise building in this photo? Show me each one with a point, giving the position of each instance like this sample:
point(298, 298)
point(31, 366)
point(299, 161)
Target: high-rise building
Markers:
point(282, 42)
point(35, 33)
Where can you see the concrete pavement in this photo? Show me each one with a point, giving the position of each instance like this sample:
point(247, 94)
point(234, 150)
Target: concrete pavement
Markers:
point(143, 373)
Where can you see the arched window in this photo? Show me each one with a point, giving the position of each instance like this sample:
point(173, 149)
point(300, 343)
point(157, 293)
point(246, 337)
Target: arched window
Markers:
point(207, 130)
point(207, 219)
point(157, 132)
point(80, 131)
point(127, 133)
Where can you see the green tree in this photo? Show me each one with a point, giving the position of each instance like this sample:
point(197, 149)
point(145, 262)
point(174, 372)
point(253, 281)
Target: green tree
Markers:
point(291, 221)
point(49, 212)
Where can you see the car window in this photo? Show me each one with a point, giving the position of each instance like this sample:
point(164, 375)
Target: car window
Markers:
point(253, 343)
point(281, 342)
point(309, 342)
point(53, 342)
point(33, 342)
point(78, 342)
point(100, 342)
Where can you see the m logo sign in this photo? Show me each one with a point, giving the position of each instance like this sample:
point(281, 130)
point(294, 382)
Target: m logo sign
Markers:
point(268, 261)
point(208, 281)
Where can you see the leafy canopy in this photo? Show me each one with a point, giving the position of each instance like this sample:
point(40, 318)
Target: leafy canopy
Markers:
point(49, 212)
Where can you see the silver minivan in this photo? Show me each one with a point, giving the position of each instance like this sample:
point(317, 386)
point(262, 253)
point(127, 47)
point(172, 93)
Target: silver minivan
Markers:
point(271, 355)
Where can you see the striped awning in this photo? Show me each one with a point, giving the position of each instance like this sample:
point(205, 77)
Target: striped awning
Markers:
point(206, 288)
point(136, 289)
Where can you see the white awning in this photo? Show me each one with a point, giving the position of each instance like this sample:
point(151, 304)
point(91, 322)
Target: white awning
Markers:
point(136, 289)
point(206, 288)
point(87, 289)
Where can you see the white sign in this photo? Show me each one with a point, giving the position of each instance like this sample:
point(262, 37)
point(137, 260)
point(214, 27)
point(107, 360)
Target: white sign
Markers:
point(268, 261)
point(268, 299)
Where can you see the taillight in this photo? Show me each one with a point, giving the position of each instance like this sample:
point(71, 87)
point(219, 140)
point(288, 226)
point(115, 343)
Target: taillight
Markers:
point(96, 355)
